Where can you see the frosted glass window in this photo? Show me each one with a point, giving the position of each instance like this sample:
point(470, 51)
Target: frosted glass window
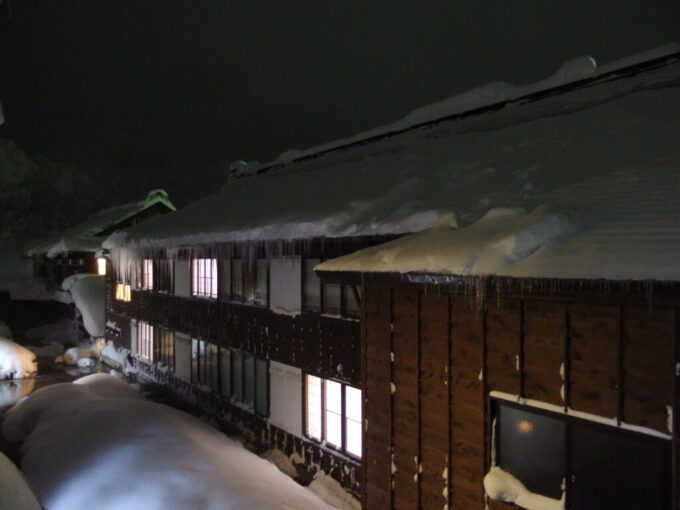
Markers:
point(261, 387)
point(312, 290)
point(249, 380)
point(313, 406)
point(147, 274)
point(353, 421)
point(237, 375)
point(204, 278)
point(225, 372)
point(145, 340)
point(225, 279)
point(261, 282)
point(237, 279)
point(331, 298)
point(333, 412)
point(101, 265)
point(123, 292)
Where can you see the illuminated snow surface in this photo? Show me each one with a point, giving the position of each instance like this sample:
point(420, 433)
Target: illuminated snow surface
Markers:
point(16, 362)
point(97, 443)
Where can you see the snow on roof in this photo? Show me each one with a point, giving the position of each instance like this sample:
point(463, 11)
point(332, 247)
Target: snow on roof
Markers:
point(86, 236)
point(578, 181)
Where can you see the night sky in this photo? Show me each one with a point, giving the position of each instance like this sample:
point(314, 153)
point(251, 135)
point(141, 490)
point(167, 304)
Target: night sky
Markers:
point(151, 83)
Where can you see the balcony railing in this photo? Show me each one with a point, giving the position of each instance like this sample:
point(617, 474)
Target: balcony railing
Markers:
point(326, 346)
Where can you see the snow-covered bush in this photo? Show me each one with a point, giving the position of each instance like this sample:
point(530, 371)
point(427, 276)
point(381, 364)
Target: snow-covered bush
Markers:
point(16, 362)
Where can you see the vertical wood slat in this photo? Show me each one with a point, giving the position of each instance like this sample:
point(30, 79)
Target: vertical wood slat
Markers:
point(502, 346)
point(648, 365)
point(434, 398)
point(467, 406)
point(405, 399)
point(543, 331)
point(377, 459)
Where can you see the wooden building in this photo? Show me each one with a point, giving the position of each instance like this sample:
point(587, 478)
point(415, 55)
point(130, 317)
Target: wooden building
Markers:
point(73, 250)
point(476, 306)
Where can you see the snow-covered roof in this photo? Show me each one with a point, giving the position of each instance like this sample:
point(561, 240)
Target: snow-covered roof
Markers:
point(87, 236)
point(577, 179)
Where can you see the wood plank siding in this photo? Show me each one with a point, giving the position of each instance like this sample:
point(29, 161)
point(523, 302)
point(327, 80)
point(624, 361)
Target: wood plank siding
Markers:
point(431, 359)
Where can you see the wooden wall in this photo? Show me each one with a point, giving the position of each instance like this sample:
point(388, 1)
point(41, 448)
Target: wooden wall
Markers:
point(430, 361)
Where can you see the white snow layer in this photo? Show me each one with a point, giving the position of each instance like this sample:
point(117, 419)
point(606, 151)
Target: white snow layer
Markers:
point(502, 486)
point(99, 444)
point(88, 295)
point(16, 362)
point(594, 167)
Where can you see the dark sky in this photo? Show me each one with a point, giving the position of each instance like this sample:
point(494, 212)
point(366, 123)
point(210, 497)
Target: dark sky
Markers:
point(150, 82)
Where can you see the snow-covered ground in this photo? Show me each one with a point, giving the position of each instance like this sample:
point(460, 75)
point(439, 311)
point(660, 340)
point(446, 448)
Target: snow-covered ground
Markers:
point(98, 443)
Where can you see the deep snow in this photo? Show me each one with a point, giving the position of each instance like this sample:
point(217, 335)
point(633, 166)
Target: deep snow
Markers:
point(99, 444)
point(16, 361)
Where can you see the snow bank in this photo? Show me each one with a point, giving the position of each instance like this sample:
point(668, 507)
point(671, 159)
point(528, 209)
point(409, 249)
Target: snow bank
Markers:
point(75, 355)
point(99, 444)
point(502, 486)
point(331, 491)
point(12, 391)
point(578, 153)
point(16, 362)
point(16, 493)
point(88, 295)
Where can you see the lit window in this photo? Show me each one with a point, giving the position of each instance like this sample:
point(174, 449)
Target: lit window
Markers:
point(204, 278)
point(166, 349)
point(147, 274)
point(333, 414)
point(123, 292)
point(145, 340)
point(101, 266)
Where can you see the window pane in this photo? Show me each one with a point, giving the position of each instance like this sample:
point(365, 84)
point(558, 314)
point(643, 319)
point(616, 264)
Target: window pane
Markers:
point(616, 471)
point(312, 290)
point(237, 278)
point(225, 279)
point(353, 442)
point(313, 406)
point(353, 403)
point(350, 302)
point(194, 360)
point(261, 282)
point(531, 447)
point(225, 372)
point(331, 298)
point(261, 387)
point(237, 375)
point(248, 280)
point(249, 380)
point(333, 396)
point(213, 367)
point(333, 428)
point(213, 278)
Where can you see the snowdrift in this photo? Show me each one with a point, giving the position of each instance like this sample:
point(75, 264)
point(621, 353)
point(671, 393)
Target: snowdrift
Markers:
point(98, 444)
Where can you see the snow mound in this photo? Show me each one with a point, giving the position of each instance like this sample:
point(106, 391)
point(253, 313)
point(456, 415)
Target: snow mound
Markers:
point(82, 449)
point(502, 486)
point(16, 362)
point(16, 493)
point(331, 491)
point(117, 357)
point(88, 295)
point(74, 355)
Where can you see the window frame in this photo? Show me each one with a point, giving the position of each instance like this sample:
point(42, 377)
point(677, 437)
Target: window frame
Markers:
point(249, 278)
point(345, 294)
point(241, 357)
point(147, 274)
point(166, 338)
point(570, 421)
point(323, 411)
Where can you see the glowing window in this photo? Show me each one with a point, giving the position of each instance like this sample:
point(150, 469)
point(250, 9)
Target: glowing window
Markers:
point(123, 292)
point(204, 278)
point(145, 340)
point(147, 274)
point(101, 266)
point(333, 413)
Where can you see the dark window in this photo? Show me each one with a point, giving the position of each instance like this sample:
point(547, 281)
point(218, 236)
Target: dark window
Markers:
point(326, 298)
point(245, 378)
point(602, 467)
point(237, 279)
point(531, 448)
point(225, 372)
point(204, 364)
point(311, 297)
